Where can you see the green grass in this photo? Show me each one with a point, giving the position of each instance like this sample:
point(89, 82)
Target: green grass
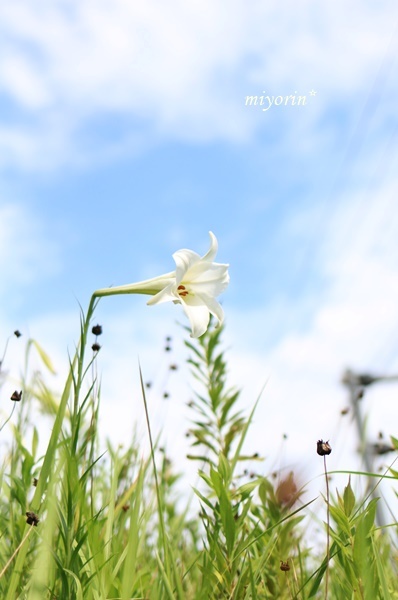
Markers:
point(114, 526)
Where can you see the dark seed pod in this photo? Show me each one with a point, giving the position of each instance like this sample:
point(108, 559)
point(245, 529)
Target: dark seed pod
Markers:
point(32, 518)
point(323, 448)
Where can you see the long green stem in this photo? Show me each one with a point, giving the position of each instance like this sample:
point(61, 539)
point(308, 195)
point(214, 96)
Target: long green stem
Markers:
point(81, 350)
point(159, 499)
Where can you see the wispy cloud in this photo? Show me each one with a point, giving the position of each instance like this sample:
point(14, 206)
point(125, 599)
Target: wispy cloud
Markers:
point(27, 250)
point(180, 71)
point(348, 318)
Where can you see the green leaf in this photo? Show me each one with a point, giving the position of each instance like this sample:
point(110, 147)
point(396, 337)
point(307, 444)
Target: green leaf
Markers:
point(35, 441)
point(394, 442)
point(341, 519)
point(349, 498)
point(216, 481)
point(224, 468)
point(44, 356)
point(227, 519)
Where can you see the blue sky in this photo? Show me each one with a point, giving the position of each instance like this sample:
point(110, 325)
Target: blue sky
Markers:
point(124, 136)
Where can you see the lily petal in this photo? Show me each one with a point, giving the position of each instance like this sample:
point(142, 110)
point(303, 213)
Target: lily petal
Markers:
point(211, 278)
point(184, 259)
point(213, 307)
point(168, 294)
point(212, 252)
point(198, 316)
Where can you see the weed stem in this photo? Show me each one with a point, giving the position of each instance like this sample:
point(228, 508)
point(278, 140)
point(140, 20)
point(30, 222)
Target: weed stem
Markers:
point(327, 529)
point(4, 569)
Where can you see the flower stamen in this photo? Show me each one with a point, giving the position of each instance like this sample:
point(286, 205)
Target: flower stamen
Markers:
point(182, 291)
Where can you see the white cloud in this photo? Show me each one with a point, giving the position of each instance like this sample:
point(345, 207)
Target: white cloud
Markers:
point(27, 251)
point(23, 82)
point(182, 70)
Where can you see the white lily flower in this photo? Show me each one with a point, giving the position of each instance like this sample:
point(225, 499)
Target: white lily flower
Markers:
point(195, 284)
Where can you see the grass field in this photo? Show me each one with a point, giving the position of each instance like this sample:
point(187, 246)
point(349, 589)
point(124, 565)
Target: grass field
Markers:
point(76, 524)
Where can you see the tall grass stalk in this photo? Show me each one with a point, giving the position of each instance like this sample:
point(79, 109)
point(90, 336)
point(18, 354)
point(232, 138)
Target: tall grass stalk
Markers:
point(327, 528)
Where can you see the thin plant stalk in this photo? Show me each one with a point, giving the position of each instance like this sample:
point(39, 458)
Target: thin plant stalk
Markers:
point(8, 418)
point(160, 504)
point(13, 555)
point(327, 528)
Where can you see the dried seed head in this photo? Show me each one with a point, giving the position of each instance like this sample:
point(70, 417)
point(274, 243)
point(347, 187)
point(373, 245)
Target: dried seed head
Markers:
point(97, 329)
point(35, 481)
point(95, 347)
point(380, 448)
point(16, 397)
point(17, 333)
point(32, 518)
point(286, 492)
point(323, 448)
point(284, 566)
point(173, 367)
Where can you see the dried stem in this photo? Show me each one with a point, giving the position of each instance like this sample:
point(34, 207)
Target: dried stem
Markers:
point(327, 529)
point(4, 569)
